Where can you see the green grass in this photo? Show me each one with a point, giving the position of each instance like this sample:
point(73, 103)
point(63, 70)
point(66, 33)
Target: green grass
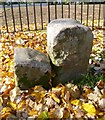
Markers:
point(89, 79)
point(103, 55)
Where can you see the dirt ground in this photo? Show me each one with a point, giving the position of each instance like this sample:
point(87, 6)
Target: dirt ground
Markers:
point(52, 13)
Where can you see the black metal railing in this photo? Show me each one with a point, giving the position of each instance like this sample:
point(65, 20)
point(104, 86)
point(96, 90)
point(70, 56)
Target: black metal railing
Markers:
point(34, 16)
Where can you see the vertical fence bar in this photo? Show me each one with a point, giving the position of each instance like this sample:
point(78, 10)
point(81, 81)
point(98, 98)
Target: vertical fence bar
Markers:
point(27, 16)
point(35, 16)
point(41, 15)
point(87, 14)
point(81, 11)
point(104, 15)
point(99, 14)
point(48, 12)
point(75, 10)
point(13, 17)
point(20, 15)
point(93, 16)
point(68, 10)
point(62, 8)
point(5, 15)
point(55, 10)
point(104, 27)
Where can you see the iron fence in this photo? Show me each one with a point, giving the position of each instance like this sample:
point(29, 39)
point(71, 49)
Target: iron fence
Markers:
point(35, 16)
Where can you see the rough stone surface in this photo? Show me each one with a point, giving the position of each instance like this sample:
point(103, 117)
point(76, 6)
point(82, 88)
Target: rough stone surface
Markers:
point(31, 68)
point(69, 46)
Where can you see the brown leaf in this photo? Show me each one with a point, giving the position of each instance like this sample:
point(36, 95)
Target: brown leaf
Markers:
point(67, 96)
point(101, 84)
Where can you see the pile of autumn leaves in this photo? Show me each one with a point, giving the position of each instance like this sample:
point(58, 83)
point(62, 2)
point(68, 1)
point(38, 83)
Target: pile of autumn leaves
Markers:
point(60, 102)
point(63, 101)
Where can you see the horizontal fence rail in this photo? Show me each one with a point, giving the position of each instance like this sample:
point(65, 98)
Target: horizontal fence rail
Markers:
point(35, 16)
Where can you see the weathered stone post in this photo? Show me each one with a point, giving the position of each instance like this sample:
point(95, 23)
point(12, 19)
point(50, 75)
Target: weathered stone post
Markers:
point(31, 68)
point(69, 45)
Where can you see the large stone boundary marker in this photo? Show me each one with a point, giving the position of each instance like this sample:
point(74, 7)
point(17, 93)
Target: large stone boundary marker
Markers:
point(69, 45)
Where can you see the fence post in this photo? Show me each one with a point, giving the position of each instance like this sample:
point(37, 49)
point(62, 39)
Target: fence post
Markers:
point(69, 10)
point(12, 11)
point(104, 14)
point(62, 8)
point(5, 15)
point(27, 16)
point(87, 13)
point(104, 26)
point(75, 10)
point(55, 10)
point(20, 15)
point(41, 15)
point(99, 14)
point(81, 11)
point(48, 12)
point(93, 16)
point(35, 15)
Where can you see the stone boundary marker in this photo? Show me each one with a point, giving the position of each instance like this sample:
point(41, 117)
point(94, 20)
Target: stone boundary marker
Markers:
point(69, 46)
point(31, 68)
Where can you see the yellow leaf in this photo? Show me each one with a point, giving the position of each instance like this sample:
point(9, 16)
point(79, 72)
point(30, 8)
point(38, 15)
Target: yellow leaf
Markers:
point(89, 108)
point(6, 109)
point(44, 42)
point(32, 112)
point(42, 94)
point(44, 35)
point(75, 102)
point(10, 74)
point(1, 101)
point(56, 91)
point(5, 115)
point(13, 105)
point(55, 98)
point(7, 60)
point(63, 91)
point(20, 105)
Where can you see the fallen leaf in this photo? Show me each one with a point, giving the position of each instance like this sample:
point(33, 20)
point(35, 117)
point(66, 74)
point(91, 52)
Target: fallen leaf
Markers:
point(97, 91)
point(49, 102)
point(21, 105)
point(67, 96)
point(56, 91)
point(5, 115)
point(12, 105)
point(56, 113)
point(75, 102)
point(32, 112)
point(89, 108)
point(79, 113)
point(43, 115)
point(93, 96)
point(75, 92)
point(100, 84)
point(55, 98)
point(102, 103)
